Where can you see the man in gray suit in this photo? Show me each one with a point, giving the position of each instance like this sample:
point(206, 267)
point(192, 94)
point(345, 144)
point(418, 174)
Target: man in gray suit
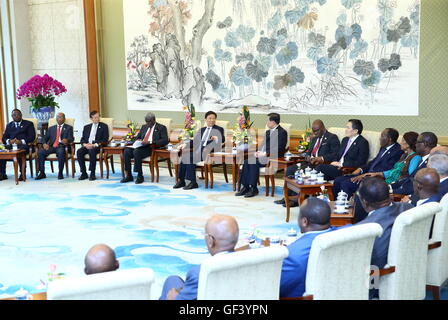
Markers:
point(374, 196)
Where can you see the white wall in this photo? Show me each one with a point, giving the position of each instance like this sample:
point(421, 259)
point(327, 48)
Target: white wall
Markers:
point(57, 37)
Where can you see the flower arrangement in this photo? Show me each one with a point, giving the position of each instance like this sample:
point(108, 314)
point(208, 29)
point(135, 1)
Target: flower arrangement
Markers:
point(190, 127)
point(241, 132)
point(306, 139)
point(52, 275)
point(41, 91)
point(132, 126)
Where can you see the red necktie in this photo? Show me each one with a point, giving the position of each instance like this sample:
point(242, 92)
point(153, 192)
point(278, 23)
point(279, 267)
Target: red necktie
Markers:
point(316, 147)
point(148, 134)
point(58, 136)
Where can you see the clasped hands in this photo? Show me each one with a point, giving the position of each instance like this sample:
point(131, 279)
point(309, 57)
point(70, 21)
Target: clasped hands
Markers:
point(64, 142)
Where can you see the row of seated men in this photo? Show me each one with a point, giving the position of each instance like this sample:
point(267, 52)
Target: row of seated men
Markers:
point(152, 135)
point(222, 232)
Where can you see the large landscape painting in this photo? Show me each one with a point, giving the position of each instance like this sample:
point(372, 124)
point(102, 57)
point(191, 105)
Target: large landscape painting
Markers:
point(357, 57)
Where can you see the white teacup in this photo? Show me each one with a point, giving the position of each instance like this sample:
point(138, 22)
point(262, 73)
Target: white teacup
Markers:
point(340, 208)
point(320, 179)
point(123, 144)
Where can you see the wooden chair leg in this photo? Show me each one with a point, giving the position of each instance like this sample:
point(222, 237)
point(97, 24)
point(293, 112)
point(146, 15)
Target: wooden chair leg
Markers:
point(52, 168)
point(435, 291)
point(112, 163)
point(73, 166)
point(224, 166)
point(266, 180)
point(273, 185)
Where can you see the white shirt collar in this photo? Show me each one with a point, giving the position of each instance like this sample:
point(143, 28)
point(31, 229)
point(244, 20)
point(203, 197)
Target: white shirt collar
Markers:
point(391, 204)
point(275, 128)
point(425, 158)
point(321, 231)
point(420, 202)
point(221, 253)
point(443, 179)
point(354, 138)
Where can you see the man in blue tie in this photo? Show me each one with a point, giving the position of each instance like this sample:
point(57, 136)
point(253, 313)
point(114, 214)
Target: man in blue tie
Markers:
point(18, 132)
point(386, 158)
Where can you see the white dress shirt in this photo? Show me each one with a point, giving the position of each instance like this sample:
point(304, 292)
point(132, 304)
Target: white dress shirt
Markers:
point(93, 132)
point(351, 141)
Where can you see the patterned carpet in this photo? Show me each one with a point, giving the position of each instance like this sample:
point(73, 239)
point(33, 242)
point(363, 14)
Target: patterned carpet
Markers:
point(53, 222)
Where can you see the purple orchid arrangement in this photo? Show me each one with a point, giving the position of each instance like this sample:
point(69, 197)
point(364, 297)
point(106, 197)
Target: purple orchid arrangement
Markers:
point(41, 91)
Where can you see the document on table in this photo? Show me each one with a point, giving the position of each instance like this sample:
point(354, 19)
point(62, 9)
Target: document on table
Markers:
point(137, 144)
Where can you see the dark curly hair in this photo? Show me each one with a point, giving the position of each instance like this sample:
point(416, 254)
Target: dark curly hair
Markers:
point(411, 139)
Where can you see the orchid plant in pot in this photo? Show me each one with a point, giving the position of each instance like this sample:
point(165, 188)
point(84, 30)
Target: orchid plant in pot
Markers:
point(42, 91)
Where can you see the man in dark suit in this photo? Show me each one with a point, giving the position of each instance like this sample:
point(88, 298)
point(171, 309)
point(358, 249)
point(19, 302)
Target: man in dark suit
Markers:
point(273, 146)
point(151, 135)
point(56, 140)
point(314, 220)
point(221, 237)
point(94, 136)
point(426, 141)
point(374, 196)
point(390, 153)
point(208, 140)
point(18, 132)
point(354, 151)
point(323, 147)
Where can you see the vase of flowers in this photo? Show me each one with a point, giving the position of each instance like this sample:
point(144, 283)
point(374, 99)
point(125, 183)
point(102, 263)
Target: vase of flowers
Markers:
point(241, 132)
point(306, 139)
point(190, 126)
point(42, 91)
point(130, 136)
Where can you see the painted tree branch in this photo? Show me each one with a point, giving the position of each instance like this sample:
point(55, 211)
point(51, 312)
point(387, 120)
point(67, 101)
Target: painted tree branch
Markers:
point(199, 31)
point(178, 25)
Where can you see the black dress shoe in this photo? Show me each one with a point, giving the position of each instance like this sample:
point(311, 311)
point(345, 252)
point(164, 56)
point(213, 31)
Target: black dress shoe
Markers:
point(191, 186)
point(179, 185)
point(60, 176)
point(243, 191)
point(41, 176)
point(252, 193)
point(139, 180)
point(3, 177)
point(83, 176)
point(292, 204)
point(92, 177)
point(279, 201)
point(21, 178)
point(127, 179)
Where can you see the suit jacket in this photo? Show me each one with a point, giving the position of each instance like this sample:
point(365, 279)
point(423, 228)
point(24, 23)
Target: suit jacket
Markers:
point(386, 218)
point(102, 134)
point(25, 132)
point(196, 151)
point(159, 136)
point(293, 276)
point(405, 186)
point(66, 133)
point(434, 198)
point(357, 155)
point(443, 188)
point(329, 147)
point(275, 145)
point(387, 162)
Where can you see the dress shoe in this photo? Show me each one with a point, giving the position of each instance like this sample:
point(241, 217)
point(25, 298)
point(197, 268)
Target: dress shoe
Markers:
point(139, 180)
point(41, 176)
point(83, 176)
point(252, 193)
point(191, 186)
point(3, 177)
point(92, 177)
point(243, 191)
point(179, 185)
point(292, 204)
point(60, 176)
point(21, 178)
point(279, 201)
point(127, 179)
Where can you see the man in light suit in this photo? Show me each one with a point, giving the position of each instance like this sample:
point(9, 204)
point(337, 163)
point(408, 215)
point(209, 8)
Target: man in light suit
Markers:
point(221, 237)
point(323, 147)
point(56, 139)
point(354, 151)
point(390, 153)
point(273, 146)
point(374, 197)
point(152, 135)
point(94, 136)
point(208, 140)
point(19, 132)
point(314, 220)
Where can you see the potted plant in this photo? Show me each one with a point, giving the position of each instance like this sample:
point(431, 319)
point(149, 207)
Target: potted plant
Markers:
point(241, 132)
point(190, 127)
point(42, 91)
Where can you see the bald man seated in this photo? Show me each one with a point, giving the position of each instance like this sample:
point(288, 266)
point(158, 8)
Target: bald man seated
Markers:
point(314, 219)
point(100, 258)
point(426, 187)
point(221, 237)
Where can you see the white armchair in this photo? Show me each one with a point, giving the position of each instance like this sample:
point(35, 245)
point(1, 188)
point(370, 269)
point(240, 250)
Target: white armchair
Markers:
point(250, 274)
point(408, 253)
point(133, 284)
point(339, 263)
point(437, 271)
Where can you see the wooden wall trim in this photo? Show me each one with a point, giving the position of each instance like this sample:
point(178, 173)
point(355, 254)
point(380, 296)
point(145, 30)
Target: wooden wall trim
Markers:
point(2, 111)
point(92, 55)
